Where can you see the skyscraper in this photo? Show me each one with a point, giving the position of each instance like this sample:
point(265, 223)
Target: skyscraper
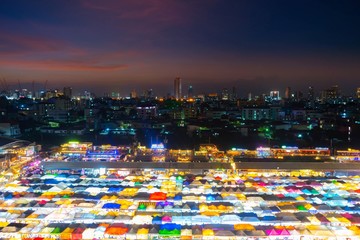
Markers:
point(177, 88)
point(133, 94)
point(275, 95)
point(311, 95)
point(233, 96)
point(67, 92)
point(225, 94)
point(190, 92)
point(288, 93)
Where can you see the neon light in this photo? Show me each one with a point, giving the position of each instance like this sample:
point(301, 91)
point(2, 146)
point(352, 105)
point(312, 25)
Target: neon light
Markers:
point(157, 146)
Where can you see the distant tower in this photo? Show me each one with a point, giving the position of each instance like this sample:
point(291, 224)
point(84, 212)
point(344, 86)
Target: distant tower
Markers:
point(311, 95)
point(275, 95)
point(233, 95)
point(331, 94)
point(67, 92)
point(334, 92)
point(177, 88)
point(358, 93)
point(149, 93)
point(288, 93)
point(225, 94)
point(133, 94)
point(190, 92)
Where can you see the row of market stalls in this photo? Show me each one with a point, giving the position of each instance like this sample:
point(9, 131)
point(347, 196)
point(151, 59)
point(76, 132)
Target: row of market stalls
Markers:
point(110, 213)
point(172, 231)
point(218, 205)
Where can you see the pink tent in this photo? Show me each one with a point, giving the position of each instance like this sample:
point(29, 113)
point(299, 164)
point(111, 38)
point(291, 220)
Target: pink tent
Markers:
point(347, 215)
point(271, 232)
point(166, 219)
point(283, 232)
point(300, 184)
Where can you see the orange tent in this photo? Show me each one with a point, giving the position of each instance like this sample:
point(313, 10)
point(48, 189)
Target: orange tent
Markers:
point(158, 196)
point(117, 229)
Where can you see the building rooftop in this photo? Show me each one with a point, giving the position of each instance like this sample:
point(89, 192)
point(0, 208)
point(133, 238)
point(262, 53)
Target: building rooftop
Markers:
point(6, 142)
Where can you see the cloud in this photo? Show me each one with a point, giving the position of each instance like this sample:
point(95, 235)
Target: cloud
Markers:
point(146, 16)
point(28, 52)
point(63, 65)
point(20, 44)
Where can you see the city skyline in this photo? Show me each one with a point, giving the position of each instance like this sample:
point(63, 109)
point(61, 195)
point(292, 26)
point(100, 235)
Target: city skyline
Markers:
point(30, 90)
point(250, 45)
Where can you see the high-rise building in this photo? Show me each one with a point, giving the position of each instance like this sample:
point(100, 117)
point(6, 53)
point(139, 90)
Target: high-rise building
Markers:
point(331, 94)
point(358, 93)
point(133, 94)
point(225, 94)
point(67, 92)
point(190, 92)
point(115, 95)
point(288, 93)
point(311, 95)
point(177, 88)
point(233, 96)
point(150, 93)
point(275, 95)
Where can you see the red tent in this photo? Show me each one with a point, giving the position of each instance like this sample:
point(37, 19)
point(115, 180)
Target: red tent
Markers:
point(158, 196)
point(77, 233)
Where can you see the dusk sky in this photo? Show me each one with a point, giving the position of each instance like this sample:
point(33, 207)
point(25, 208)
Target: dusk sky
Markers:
point(256, 46)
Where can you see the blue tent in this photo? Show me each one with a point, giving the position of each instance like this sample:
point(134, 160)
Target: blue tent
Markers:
point(306, 191)
point(269, 218)
point(210, 197)
point(348, 209)
point(51, 181)
point(170, 226)
point(111, 206)
point(247, 214)
point(156, 220)
point(62, 175)
point(219, 197)
point(115, 189)
point(8, 196)
point(274, 209)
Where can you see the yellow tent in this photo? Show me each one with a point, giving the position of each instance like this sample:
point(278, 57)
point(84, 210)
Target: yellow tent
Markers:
point(244, 227)
point(208, 232)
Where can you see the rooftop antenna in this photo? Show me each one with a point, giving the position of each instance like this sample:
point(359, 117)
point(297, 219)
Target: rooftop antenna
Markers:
point(45, 84)
point(2, 84)
point(33, 88)
point(19, 85)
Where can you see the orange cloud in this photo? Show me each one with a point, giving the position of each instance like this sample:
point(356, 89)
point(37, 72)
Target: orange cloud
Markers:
point(15, 44)
point(27, 52)
point(62, 65)
point(26, 43)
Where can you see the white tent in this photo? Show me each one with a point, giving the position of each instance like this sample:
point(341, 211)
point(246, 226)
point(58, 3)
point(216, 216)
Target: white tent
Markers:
point(99, 232)
point(200, 219)
point(142, 219)
point(88, 233)
point(230, 219)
